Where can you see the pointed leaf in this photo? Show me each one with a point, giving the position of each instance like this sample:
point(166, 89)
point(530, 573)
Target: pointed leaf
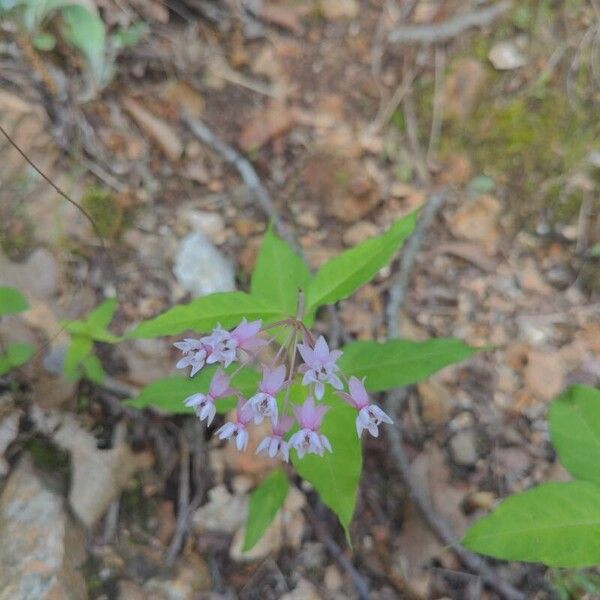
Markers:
point(168, 393)
point(575, 430)
point(202, 314)
point(279, 274)
point(336, 475)
point(16, 355)
point(99, 318)
point(11, 301)
point(265, 501)
point(346, 272)
point(557, 524)
point(92, 367)
point(79, 347)
point(397, 363)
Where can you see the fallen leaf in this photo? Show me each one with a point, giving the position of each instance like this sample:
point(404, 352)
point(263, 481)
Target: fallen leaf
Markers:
point(272, 122)
point(162, 134)
point(477, 220)
point(97, 476)
point(544, 374)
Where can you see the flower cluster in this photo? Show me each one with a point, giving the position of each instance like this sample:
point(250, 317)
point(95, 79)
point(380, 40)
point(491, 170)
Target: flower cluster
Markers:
point(318, 368)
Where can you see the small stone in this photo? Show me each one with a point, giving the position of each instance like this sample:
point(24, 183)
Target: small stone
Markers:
point(506, 56)
point(544, 374)
point(224, 512)
point(305, 590)
point(191, 579)
point(463, 448)
point(41, 548)
point(37, 276)
point(201, 269)
point(333, 578)
point(211, 224)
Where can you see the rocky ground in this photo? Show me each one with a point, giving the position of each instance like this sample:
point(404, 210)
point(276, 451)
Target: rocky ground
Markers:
point(348, 131)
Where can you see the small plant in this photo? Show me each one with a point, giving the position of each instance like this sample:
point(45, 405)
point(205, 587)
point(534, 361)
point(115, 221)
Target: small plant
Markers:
point(78, 26)
point(260, 356)
point(14, 355)
point(79, 359)
point(557, 524)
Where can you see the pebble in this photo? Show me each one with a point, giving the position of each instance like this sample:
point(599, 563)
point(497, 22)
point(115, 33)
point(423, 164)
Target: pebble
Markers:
point(201, 269)
point(41, 547)
point(463, 448)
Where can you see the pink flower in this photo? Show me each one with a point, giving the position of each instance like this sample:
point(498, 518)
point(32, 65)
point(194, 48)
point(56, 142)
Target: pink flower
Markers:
point(237, 430)
point(204, 403)
point(263, 403)
point(246, 335)
point(320, 366)
point(221, 346)
point(369, 416)
point(275, 444)
point(309, 440)
point(194, 355)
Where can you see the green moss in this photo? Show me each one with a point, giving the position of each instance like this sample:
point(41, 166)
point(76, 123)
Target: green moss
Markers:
point(104, 210)
point(16, 232)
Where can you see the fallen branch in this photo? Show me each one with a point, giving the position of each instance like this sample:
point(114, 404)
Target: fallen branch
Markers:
point(442, 32)
point(246, 171)
point(360, 584)
point(436, 523)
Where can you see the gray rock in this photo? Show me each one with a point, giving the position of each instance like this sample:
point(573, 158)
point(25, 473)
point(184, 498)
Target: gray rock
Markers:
point(41, 548)
point(200, 268)
point(463, 448)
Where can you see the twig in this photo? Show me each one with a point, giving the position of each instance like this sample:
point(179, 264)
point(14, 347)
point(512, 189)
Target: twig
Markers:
point(183, 502)
point(442, 32)
point(359, 583)
point(412, 130)
point(386, 111)
point(112, 516)
point(246, 171)
point(436, 523)
point(438, 104)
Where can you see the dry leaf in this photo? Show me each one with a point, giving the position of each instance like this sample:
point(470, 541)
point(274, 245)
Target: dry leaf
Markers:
point(162, 134)
point(274, 121)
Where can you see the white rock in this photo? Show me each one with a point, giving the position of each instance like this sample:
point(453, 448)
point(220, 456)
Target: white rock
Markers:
point(201, 269)
point(224, 511)
point(506, 56)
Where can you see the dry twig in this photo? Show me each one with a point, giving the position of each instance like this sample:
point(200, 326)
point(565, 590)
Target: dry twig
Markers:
point(442, 32)
point(418, 496)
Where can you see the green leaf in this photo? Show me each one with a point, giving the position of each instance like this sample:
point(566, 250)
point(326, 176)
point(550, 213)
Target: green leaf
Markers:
point(129, 36)
point(79, 347)
point(279, 274)
point(99, 318)
point(336, 475)
point(92, 367)
point(557, 524)
point(87, 33)
point(16, 355)
point(168, 393)
point(44, 42)
point(346, 272)
point(397, 363)
point(202, 314)
point(265, 501)
point(11, 301)
point(595, 250)
point(575, 430)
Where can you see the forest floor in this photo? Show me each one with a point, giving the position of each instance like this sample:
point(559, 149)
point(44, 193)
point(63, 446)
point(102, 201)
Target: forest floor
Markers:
point(348, 131)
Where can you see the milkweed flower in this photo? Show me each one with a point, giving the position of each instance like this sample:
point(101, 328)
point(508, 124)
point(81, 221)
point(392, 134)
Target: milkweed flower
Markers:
point(246, 335)
point(204, 404)
point(309, 440)
point(263, 403)
point(221, 347)
point(237, 430)
point(320, 366)
point(274, 444)
point(369, 416)
point(194, 355)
